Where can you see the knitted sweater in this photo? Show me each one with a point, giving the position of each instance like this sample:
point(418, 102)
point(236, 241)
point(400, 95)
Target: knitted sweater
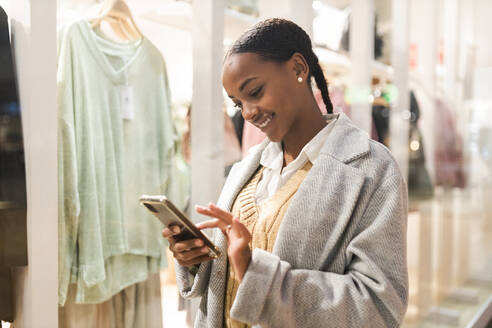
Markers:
point(107, 160)
point(263, 221)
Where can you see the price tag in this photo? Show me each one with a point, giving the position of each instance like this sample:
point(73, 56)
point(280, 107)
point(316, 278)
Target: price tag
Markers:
point(127, 103)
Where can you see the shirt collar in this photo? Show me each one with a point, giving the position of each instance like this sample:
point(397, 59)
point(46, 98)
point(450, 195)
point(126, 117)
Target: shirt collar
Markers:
point(272, 156)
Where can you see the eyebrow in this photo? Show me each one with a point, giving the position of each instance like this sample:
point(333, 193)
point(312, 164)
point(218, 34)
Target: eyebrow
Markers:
point(243, 85)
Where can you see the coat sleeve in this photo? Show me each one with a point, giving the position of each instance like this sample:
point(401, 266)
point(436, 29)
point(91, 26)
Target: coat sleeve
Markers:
point(373, 291)
point(189, 285)
point(196, 285)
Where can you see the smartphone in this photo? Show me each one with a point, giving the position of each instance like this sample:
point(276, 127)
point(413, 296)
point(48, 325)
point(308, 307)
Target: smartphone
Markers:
point(163, 209)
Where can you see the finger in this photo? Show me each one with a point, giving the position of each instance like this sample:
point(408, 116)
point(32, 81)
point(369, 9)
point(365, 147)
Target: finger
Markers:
point(175, 229)
point(172, 242)
point(170, 231)
point(214, 212)
point(196, 260)
point(166, 233)
point(185, 245)
point(203, 210)
point(221, 214)
point(241, 228)
point(216, 223)
point(191, 254)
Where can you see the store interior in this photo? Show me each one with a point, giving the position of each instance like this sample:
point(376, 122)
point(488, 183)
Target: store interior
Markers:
point(415, 75)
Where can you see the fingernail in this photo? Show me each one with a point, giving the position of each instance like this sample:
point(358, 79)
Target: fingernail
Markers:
point(175, 229)
point(205, 250)
point(198, 243)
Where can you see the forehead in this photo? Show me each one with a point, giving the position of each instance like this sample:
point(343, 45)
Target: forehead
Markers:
point(238, 67)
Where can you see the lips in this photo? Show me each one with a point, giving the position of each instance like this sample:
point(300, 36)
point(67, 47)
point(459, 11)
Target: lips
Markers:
point(264, 121)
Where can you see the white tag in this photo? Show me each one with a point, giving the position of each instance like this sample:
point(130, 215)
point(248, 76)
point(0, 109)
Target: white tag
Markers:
point(127, 104)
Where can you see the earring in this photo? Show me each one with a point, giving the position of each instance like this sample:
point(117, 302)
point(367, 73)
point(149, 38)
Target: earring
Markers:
point(299, 79)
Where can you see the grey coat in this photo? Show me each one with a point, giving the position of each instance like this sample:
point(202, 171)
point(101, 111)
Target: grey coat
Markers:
point(340, 255)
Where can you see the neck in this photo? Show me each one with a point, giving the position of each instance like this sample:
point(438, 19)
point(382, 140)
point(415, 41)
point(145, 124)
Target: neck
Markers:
point(302, 131)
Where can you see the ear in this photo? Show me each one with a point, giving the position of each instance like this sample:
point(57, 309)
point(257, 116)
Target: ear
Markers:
point(299, 66)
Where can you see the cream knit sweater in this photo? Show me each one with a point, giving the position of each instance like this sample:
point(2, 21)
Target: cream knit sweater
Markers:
point(263, 222)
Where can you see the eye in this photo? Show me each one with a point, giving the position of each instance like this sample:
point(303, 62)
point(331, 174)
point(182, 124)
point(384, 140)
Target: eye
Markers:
point(256, 92)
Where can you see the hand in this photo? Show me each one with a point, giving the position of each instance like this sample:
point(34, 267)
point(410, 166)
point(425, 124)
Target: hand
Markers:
point(238, 236)
point(186, 252)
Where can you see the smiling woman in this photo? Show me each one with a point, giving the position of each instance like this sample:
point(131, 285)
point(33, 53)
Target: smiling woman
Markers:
point(313, 221)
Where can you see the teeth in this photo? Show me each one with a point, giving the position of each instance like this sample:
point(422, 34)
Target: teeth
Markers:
point(265, 122)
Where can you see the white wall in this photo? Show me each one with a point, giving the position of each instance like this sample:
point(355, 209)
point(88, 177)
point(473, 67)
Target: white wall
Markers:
point(34, 36)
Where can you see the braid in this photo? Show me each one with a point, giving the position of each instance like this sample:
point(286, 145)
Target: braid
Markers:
point(277, 40)
point(319, 77)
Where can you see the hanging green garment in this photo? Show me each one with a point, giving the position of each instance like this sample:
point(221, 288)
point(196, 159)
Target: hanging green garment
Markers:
point(116, 142)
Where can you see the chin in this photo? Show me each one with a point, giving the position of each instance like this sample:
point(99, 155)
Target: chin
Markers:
point(274, 137)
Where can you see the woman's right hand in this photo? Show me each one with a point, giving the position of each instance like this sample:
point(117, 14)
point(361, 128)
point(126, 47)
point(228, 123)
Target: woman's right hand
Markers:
point(186, 252)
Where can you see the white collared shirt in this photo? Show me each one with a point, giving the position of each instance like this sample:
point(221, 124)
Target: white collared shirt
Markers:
point(272, 158)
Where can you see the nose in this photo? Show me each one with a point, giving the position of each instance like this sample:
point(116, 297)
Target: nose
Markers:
point(250, 112)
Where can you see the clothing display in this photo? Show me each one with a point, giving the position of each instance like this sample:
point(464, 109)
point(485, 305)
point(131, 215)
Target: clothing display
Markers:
point(328, 237)
point(116, 142)
point(13, 204)
point(383, 221)
point(419, 181)
point(450, 171)
point(138, 305)
point(380, 119)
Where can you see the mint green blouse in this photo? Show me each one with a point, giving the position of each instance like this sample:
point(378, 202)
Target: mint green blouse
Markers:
point(111, 151)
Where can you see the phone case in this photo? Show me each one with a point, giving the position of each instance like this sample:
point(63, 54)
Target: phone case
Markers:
point(168, 214)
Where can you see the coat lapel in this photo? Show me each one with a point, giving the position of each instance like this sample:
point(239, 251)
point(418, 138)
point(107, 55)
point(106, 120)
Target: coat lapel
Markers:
point(323, 203)
point(239, 176)
point(325, 200)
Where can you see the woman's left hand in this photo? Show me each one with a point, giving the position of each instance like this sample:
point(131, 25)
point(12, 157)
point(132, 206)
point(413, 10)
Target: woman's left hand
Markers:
point(238, 236)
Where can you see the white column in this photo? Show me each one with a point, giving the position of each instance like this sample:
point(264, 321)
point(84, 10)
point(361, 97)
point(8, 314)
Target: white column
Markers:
point(207, 120)
point(400, 110)
point(34, 36)
point(301, 12)
point(448, 257)
point(425, 258)
point(428, 18)
point(451, 41)
point(361, 55)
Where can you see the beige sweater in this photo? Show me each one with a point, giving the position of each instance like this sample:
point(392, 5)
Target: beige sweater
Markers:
point(263, 221)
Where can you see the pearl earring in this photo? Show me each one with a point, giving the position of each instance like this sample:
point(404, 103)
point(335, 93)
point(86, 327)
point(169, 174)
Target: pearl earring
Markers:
point(299, 79)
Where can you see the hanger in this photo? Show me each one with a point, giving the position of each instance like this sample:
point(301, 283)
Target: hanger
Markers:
point(119, 17)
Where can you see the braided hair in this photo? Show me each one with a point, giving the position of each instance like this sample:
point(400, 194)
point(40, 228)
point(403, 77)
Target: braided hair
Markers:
point(277, 39)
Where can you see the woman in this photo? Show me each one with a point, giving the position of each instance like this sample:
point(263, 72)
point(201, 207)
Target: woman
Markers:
point(313, 220)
